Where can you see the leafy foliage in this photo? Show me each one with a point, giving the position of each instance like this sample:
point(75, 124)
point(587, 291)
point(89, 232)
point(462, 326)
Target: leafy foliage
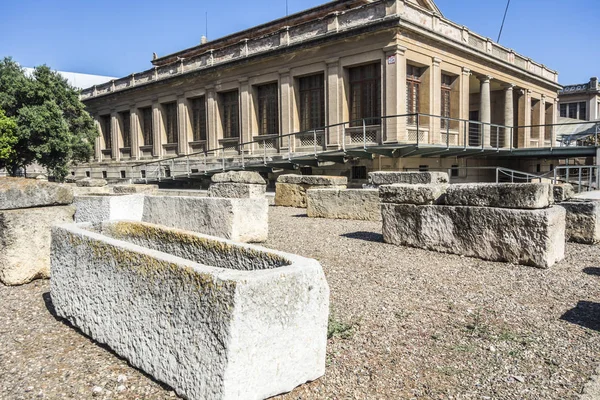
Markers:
point(8, 139)
point(52, 126)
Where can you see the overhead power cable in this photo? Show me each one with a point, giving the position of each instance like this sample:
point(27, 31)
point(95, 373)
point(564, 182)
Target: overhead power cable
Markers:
point(503, 19)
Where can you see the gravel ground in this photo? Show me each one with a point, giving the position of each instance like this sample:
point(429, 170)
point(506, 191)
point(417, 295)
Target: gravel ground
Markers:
point(407, 323)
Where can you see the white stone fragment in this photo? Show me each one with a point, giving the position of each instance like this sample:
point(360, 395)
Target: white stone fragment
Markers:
point(358, 204)
point(97, 208)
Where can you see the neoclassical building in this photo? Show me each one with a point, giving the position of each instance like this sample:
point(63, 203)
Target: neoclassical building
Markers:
point(394, 79)
point(580, 101)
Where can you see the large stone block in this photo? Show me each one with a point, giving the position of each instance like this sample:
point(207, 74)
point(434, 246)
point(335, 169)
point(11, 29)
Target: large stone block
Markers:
point(83, 191)
point(91, 182)
point(563, 192)
point(503, 195)
point(236, 190)
point(529, 237)
point(419, 194)
point(294, 194)
point(24, 193)
point(360, 204)
point(378, 178)
point(132, 189)
point(243, 220)
point(313, 180)
point(239, 177)
point(106, 207)
point(25, 242)
point(211, 318)
point(582, 220)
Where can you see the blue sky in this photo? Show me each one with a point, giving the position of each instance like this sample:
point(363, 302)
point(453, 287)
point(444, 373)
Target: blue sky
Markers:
point(116, 38)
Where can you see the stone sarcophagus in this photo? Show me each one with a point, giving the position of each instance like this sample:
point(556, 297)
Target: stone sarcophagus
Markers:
point(500, 222)
point(213, 319)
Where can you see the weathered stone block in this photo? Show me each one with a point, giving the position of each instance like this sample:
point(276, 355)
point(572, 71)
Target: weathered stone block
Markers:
point(82, 191)
point(112, 206)
point(24, 193)
point(563, 192)
point(25, 242)
point(582, 220)
point(132, 189)
point(378, 178)
point(401, 193)
point(91, 182)
point(236, 190)
point(360, 204)
point(313, 180)
point(239, 177)
point(211, 318)
point(504, 195)
point(529, 237)
point(243, 220)
point(294, 194)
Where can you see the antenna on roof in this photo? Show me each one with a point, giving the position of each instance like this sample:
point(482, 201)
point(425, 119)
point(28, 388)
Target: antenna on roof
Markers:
point(286, 8)
point(206, 23)
point(503, 19)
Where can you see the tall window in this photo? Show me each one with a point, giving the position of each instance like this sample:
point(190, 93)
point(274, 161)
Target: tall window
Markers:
point(106, 131)
point(126, 128)
point(171, 122)
point(268, 111)
point(574, 110)
point(199, 118)
point(365, 94)
point(147, 126)
point(312, 102)
point(445, 99)
point(231, 109)
point(413, 83)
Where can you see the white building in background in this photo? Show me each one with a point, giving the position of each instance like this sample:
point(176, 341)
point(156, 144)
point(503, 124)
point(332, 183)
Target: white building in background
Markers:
point(79, 81)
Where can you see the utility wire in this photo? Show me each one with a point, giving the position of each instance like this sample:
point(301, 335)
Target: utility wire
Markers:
point(503, 19)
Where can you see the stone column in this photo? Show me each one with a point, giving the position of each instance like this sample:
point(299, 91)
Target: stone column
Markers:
point(463, 112)
point(334, 98)
point(286, 94)
point(509, 114)
point(395, 94)
point(115, 136)
point(485, 108)
point(157, 141)
point(182, 131)
point(211, 118)
point(435, 101)
point(524, 130)
point(246, 134)
point(134, 127)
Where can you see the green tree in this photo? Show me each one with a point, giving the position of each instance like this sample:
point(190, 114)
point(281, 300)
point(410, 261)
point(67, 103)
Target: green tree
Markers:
point(53, 128)
point(8, 139)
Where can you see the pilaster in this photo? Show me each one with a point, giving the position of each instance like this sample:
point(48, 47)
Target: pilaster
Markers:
point(524, 122)
point(395, 94)
point(509, 113)
point(211, 118)
point(134, 122)
point(246, 134)
point(463, 110)
point(157, 141)
point(286, 94)
point(115, 136)
point(435, 101)
point(182, 126)
point(334, 99)
point(485, 108)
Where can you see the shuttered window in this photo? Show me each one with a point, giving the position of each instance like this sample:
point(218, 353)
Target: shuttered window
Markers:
point(199, 118)
point(171, 122)
point(231, 109)
point(312, 102)
point(268, 110)
point(365, 94)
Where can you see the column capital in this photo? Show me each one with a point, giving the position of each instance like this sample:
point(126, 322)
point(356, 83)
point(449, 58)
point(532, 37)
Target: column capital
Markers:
point(284, 71)
point(466, 71)
point(333, 60)
point(436, 61)
point(243, 80)
point(484, 78)
point(508, 86)
point(394, 48)
point(525, 91)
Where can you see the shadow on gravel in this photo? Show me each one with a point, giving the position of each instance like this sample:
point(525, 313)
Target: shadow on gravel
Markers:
point(50, 306)
point(592, 271)
point(362, 235)
point(584, 314)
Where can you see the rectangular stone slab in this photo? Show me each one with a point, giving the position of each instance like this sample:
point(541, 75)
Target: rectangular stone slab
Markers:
point(236, 190)
point(111, 206)
point(243, 220)
point(503, 195)
point(313, 180)
point(412, 194)
point(18, 193)
point(358, 204)
point(25, 242)
point(582, 221)
point(132, 189)
point(211, 318)
point(528, 237)
point(378, 178)
point(294, 194)
point(239, 177)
